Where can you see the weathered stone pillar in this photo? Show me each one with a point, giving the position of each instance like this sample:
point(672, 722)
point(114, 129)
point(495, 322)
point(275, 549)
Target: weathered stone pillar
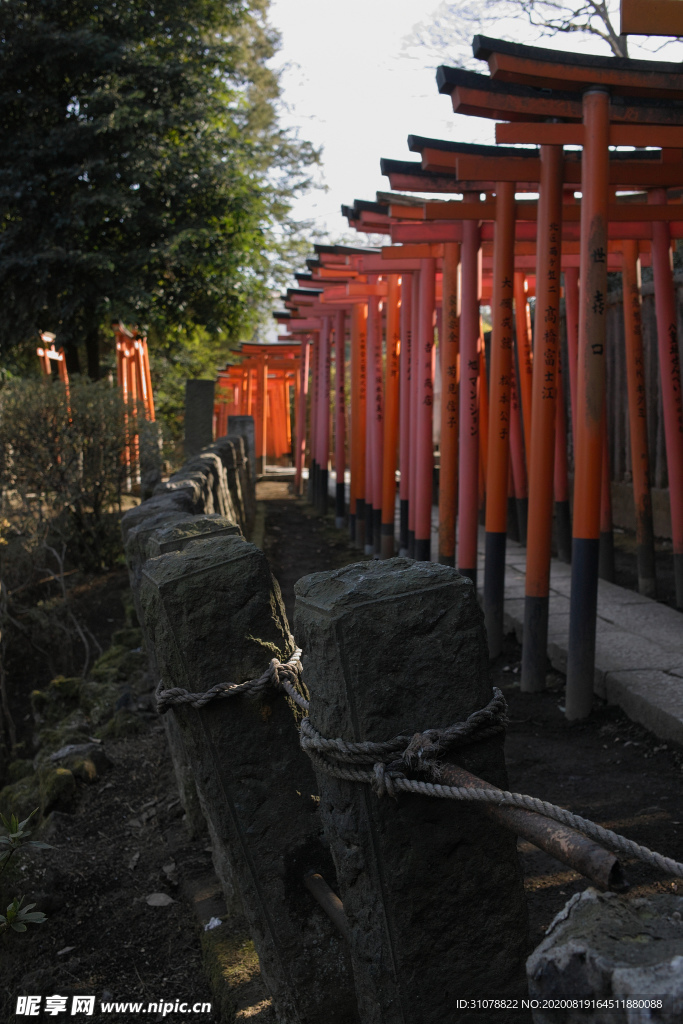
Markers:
point(432, 888)
point(199, 396)
point(160, 533)
point(244, 425)
point(215, 614)
point(160, 504)
point(150, 446)
point(610, 949)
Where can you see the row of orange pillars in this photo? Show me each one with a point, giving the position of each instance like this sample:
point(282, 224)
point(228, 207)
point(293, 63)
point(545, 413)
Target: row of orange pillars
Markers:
point(133, 378)
point(369, 318)
point(264, 384)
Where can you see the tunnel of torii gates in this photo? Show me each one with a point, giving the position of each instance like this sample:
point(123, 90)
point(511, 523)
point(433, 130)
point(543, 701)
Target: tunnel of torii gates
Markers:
point(265, 385)
point(503, 440)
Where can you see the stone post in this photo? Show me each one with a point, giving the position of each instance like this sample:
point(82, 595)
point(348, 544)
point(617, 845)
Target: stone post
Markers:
point(431, 888)
point(199, 397)
point(215, 614)
point(244, 425)
point(605, 948)
point(160, 533)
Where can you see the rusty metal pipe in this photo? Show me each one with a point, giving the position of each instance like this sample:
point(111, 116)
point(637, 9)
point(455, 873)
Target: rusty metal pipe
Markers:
point(329, 901)
point(565, 844)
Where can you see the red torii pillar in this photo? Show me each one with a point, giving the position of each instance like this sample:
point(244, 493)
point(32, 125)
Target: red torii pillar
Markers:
point(414, 379)
point(468, 482)
point(425, 404)
point(670, 377)
point(543, 415)
point(340, 417)
point(323, 418)
point(637, 415)
point(499, 415)
point(391, 416)
point(449, 343)
point(300, 453)
point(405, 405)
point(358, 414)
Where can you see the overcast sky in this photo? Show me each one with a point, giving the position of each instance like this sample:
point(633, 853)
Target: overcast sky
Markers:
point(349, 88)
point(352, 86)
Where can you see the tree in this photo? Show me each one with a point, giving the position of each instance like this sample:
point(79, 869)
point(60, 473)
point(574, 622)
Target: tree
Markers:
point(450, 31)
point(143, 175)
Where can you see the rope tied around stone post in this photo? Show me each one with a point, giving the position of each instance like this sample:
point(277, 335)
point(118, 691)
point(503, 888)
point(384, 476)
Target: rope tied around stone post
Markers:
point(277, 676)
point(417, 753)
point(377, 765)
point(384, 765)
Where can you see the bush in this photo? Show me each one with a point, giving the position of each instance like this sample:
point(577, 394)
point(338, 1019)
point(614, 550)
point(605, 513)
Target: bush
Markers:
point(62, 471)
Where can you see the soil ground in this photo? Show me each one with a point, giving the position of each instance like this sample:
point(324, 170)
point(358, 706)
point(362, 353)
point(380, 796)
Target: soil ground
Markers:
point(126, 838)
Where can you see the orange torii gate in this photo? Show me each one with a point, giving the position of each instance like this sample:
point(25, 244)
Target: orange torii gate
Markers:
point(261, 385)
point(476, 166)
point(132, 369)
point(135, 382)
point(52, 356)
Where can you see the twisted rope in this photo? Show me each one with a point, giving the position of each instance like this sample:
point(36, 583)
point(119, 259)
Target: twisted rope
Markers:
point(383, 765)
point(378, 765)
point(277, 676)
point(418, 752)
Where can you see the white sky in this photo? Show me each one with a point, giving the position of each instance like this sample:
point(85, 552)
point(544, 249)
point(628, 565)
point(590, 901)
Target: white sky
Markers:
point(351, 87)
point(348, 88)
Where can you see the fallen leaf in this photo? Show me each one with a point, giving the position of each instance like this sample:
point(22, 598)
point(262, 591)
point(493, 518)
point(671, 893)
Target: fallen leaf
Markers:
point(159, 899)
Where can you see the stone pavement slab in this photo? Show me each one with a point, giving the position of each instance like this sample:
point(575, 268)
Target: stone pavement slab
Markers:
point(639, 643)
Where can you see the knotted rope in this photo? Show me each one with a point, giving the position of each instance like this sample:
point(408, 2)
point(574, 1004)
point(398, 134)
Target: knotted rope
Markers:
point(384, 765)
point(418, 752)
point(277, 676)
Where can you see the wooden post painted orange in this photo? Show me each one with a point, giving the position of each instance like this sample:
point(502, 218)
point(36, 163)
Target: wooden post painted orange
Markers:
point(468, 468)
point(449, 344)
point(323, 421)
point(483, 398)
point(301, 415)
point(405, 397)
point(524, 354)
point(497, 469)
point(425, 408)
point(414, 380)
point(313, 415)
point(571, 301)
point(374, 428)
point(358, 412)
point(637, 418)
point(517, 457)
point(541, 452)
point(340, 417)
point(391, 416)
point(563, 522)
point(589, 405)
point(606, 557)
point(670, 377)
point(261, 411)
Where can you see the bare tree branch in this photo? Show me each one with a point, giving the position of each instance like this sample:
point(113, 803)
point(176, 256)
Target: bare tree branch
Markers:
point(448, 35)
